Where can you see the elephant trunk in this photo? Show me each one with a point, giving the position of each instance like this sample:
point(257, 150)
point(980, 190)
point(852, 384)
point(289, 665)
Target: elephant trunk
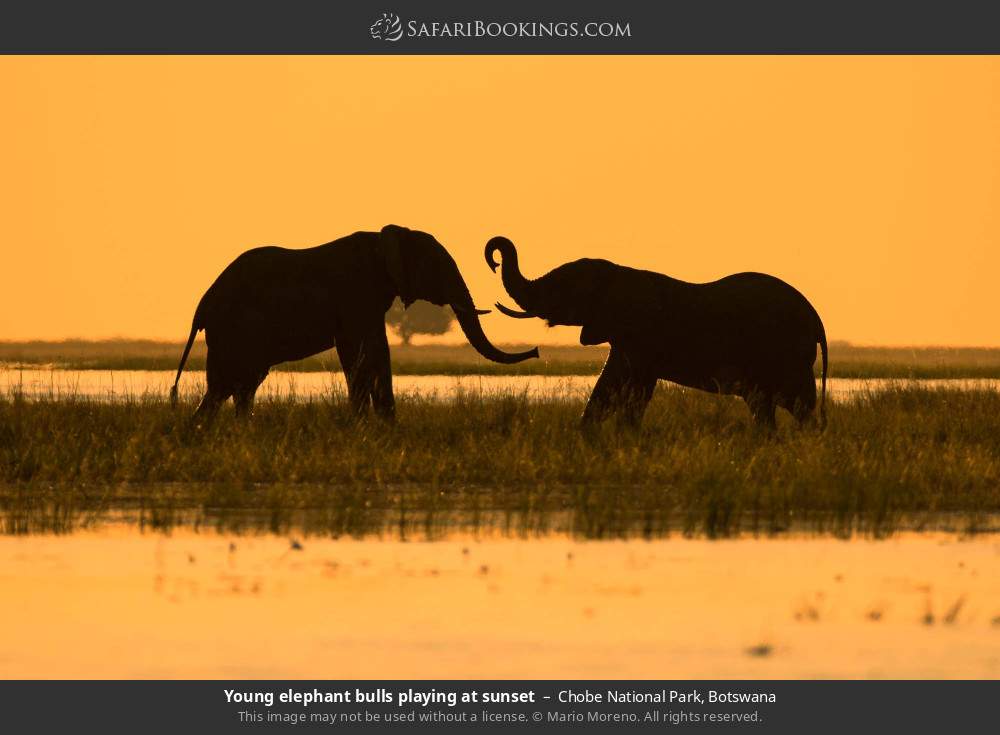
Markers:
point(468, 319)
point(460, 301)
point(514, 281)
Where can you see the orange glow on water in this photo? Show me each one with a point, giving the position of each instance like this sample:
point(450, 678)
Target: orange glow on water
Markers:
point(119, 604)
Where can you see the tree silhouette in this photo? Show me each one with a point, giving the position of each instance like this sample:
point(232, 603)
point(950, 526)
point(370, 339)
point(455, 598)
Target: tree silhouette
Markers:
point(422, 317)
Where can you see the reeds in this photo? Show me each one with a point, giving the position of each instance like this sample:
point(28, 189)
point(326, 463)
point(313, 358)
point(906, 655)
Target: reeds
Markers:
point(902, 457)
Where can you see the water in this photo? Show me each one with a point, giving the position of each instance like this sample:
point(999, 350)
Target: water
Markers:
point(108, 385)
point(112, 385)
point(120, 603)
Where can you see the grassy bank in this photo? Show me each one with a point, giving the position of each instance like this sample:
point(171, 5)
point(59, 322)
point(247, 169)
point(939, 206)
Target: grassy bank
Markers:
point(847, 361)
point(907, 457)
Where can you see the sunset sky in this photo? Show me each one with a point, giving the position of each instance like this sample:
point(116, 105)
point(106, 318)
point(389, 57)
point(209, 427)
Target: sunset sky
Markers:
point(872, 184)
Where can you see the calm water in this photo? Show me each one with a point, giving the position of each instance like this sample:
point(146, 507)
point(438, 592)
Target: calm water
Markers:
point(116, 385)
point(119, 603)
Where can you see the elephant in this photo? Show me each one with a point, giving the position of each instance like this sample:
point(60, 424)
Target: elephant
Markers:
point(273, 304)
point(748, 334)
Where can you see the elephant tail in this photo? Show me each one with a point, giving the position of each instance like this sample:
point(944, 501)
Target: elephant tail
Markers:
point(821, 338)
point(195, 328)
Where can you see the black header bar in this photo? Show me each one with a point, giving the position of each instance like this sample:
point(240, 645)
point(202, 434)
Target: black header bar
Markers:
point(511, 27)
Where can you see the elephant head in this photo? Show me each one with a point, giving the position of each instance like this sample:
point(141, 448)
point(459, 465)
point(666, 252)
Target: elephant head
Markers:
point(574, 294)
point(421, 268)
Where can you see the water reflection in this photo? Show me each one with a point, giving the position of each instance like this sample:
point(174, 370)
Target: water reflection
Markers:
point(109, 385)
point(429, 514)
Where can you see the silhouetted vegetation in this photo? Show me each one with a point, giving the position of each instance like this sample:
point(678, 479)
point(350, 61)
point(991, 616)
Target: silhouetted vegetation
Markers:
point(906, 457)
point(422, 317)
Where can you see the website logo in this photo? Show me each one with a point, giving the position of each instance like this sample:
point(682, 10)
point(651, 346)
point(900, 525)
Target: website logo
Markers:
point(387, 28)
point(390, 28)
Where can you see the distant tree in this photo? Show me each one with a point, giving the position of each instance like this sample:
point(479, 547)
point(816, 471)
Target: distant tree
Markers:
point(422, 317)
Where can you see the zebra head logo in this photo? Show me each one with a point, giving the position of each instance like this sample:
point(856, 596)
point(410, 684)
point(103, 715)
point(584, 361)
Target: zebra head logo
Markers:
point(387, 28)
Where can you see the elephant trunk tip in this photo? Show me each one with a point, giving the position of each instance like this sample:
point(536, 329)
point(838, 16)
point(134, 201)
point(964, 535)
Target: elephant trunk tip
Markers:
point(506, 248)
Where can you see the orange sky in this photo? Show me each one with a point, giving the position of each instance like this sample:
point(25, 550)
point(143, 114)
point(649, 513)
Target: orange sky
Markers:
point(870, 183)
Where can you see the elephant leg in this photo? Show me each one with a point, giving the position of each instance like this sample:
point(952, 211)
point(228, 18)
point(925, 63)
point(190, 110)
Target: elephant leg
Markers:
point(208, 409)
point(762, 405)
point(638, 394)
point(244, 394)
point(377, 349)
point(799, 396)
point(350, 349)
point(621, 389)
point(219, 390)
point(609, 384)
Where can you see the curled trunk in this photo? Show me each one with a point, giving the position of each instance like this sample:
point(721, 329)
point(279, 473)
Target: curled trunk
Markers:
point(514, 281)
point(469, 321)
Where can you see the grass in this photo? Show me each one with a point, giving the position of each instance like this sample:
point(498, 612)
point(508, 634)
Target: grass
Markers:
point(847, 361)
point(902, 458)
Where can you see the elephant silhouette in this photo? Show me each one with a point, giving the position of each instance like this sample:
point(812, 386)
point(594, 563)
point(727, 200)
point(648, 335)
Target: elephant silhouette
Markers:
point(748, 334)
point(273, 304)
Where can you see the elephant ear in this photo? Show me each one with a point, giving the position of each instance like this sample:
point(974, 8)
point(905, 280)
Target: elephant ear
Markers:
point(390, 248)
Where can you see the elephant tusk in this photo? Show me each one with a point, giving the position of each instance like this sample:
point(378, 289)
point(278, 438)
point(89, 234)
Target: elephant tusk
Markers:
point(515, 314)
point(473, 310)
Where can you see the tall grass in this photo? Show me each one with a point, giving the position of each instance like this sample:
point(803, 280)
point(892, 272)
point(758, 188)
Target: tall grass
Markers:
point(906, 457)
